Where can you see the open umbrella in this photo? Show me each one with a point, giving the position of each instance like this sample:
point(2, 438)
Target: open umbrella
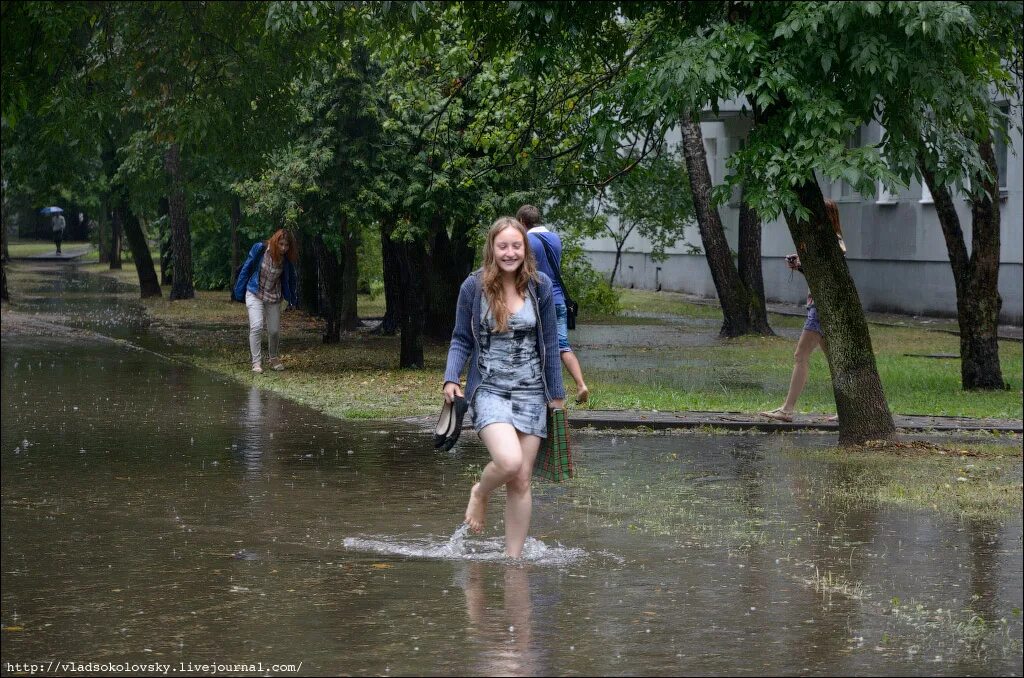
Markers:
point(51, 210)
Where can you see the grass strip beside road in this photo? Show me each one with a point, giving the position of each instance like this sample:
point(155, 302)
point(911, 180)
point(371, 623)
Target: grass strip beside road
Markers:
point(359, 377)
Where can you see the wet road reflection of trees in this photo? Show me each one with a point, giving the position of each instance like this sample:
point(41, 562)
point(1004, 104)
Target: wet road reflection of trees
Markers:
point(984, 562)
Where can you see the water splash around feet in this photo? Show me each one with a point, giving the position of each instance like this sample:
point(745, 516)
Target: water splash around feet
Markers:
point(458, 547)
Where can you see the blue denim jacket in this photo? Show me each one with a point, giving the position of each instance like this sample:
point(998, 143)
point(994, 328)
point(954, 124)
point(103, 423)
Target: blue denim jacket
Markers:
point(466, 342)
point(249, 276)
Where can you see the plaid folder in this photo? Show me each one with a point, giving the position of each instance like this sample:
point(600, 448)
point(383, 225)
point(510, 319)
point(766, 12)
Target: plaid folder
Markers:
point(554, 460)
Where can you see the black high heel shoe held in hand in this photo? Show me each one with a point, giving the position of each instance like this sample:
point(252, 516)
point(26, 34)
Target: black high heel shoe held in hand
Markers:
point(449, 424)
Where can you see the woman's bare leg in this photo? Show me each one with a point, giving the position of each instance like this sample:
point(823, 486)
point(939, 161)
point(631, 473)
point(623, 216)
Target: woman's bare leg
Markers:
point(519, 499)
point(804, 348)
point(502, 442)
point(573, 365)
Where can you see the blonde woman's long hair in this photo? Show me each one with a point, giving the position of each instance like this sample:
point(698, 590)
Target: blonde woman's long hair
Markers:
point(492, 273)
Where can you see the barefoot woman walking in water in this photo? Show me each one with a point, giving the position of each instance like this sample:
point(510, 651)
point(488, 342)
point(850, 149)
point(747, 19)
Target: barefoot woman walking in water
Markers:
point(505, 327)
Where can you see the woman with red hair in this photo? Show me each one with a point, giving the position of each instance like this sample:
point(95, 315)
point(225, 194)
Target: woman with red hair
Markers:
point(267, 277)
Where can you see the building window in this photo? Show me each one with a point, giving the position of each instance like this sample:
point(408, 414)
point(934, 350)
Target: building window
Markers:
point(999, 148)
point(842, 190)
point(885, 196)
point(734, 145)
point(926, 194)
point(711, 150)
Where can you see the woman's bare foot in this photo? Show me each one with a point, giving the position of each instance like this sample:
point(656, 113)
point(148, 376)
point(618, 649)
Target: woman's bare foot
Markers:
point(582, 395)
point(778, 414)
point(476, 510)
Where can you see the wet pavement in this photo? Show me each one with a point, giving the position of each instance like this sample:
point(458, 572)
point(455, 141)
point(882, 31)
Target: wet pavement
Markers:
point(67, 254)
point(153, 512)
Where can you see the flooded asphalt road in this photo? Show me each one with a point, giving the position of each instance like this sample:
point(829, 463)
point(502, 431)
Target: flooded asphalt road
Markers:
point(156, 513)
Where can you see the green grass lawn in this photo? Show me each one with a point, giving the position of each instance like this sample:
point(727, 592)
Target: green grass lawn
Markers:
point(359, 376)
point(670, 303)
point(751, 374)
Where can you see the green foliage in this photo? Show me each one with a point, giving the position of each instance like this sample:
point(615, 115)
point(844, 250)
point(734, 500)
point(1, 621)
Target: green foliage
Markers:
point(211, 250)
point(586, 286)
point(371, 266)
point(445, 115)
point(653, 199)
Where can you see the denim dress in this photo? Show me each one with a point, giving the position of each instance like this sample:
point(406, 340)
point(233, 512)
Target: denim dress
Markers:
point(512, 389)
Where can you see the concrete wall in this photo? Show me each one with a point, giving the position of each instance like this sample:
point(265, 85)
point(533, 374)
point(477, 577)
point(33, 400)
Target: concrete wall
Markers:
point(896, 250)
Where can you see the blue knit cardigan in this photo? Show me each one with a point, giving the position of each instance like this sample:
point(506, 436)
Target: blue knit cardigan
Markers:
point(466, 342)
point(249, 276)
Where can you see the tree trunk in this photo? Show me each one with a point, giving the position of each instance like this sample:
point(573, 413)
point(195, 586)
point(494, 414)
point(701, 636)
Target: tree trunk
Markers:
point(750, 269)
point(976, 276)
point(4, 213)
point(116, 234)
point(164, 235)
point(392, 279)
point(102, 242)
point(236, 220)
point(412, 259)
point(349, 311)
point(450, 261)
point(732, 296)
point(308, 278)
point(181, 236)
point(860, 400)
point(329, 277)
point(615, 268)
point(6, 255)
point(110, 207)
point(149, 285)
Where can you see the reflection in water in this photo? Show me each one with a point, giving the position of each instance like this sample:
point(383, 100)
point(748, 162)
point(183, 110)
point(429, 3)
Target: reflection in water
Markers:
point(507, 633)
point(258, 423)
point(984, 562)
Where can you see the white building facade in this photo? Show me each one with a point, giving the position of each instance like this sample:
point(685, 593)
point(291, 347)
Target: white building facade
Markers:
point(895, 247)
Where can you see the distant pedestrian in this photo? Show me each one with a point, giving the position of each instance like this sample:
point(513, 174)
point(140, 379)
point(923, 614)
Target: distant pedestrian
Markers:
point(59, 224)
point(547, 250)
point(505, 331)
point(267, 277)
point(811, 337)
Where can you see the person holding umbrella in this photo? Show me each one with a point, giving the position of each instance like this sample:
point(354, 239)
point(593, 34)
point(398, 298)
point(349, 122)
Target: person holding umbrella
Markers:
point(58, 224)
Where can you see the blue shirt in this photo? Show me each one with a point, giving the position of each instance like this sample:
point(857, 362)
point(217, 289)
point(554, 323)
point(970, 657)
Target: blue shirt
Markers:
point(249, 276)
point(538, 234)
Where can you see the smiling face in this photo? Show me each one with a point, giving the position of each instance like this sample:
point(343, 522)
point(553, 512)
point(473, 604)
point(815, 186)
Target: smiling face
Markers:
point(509, 250)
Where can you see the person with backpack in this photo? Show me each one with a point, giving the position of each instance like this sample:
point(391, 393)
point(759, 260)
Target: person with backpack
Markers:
point(263, 281)
point(547, 249)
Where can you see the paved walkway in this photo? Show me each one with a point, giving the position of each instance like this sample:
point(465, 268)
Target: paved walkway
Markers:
point(66, 255)
point(745, 421)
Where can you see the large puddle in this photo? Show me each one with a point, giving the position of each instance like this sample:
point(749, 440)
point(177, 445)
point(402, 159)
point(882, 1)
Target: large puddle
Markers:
point(155, 513)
